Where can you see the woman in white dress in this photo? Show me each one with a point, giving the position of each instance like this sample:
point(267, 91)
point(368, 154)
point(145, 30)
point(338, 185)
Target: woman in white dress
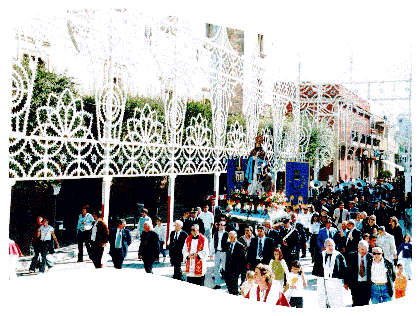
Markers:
point(263, 289)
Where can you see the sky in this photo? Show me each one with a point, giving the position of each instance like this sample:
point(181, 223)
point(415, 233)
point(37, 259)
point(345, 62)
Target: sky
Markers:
point(352, 41)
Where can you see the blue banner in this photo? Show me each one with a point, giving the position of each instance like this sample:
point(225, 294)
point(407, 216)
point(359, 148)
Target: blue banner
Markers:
point(297, 182)
point(236, 169)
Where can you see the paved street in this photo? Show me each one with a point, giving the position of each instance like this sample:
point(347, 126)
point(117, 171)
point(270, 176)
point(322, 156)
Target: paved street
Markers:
point(66, 260)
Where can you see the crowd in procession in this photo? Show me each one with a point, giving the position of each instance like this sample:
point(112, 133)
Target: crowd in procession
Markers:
point(353, 237)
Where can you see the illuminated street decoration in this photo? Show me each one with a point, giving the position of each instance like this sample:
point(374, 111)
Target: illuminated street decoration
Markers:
point(62, 145)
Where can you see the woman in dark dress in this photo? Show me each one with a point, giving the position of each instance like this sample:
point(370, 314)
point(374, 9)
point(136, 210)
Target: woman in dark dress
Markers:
point(396, 231)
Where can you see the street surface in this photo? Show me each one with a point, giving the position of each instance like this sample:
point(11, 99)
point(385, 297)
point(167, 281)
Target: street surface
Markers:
point(66, 261)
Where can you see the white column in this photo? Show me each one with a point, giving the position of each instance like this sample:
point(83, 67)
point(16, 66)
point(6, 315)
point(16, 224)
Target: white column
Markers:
point(106, 191)
point(275, 181)
point(216, 188)
point(171, 201)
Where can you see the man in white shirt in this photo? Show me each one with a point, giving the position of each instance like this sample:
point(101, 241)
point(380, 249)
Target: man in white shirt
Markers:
point(161, 231)
point(218, 250)
point(143, 218)
point(208, 220)
point(387, 243)
point(381, 274)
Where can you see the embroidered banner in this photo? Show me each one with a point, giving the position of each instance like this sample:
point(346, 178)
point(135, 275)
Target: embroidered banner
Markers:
point(297, 182)
point(236, 168)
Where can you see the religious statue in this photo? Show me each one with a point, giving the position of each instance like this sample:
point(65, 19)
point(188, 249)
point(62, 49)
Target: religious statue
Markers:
point(256, 170)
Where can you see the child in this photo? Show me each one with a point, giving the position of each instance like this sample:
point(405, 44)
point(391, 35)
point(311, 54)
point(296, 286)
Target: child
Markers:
point(279, 267)
point(247, 285)
point(400, 282)
point(161, 231)
point(294, 286)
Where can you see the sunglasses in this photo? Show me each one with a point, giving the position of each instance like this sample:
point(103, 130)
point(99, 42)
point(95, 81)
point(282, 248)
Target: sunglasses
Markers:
point(376, 253)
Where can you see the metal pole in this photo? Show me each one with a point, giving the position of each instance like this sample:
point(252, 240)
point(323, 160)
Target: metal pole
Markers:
point(171, 200)
point(216, 188)
point(106, 192)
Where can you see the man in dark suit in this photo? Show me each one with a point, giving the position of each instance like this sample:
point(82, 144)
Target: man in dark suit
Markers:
point(215, 210)
point(261, 249)
point(302, 235)
point(381, 276)
point(382, 218)
point(353, 237)
point(176, 243)
point(356, 275)
point(270, 232)
point(119, 240)
point(235, 263)
point(149, 247)
point(186, 222)
point(327, 232)
point(289, 239)
point(353, 210)
point(195, 220)
point(99, 238)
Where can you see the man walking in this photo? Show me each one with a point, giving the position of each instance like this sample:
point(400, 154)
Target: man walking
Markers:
point(84, 225)
point(195, 251)
point(149, 246)
point(356, 275)
point(218, 250)
point(235, 263)
point(119, 240)
point(208, 221)
point(381, 276)
point(143, 218)
point(261, 249)
point(176, 243)
point(330, 277)
point(99, 238)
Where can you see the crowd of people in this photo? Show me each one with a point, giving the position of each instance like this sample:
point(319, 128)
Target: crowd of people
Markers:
point(353, 237)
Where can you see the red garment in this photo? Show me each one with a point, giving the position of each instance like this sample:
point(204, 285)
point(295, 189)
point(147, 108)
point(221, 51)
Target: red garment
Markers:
point(14, 249)
point(198, 265)
point(282, 301)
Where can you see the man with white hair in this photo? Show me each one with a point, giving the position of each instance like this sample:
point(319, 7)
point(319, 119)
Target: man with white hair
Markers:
point(356, 275)
point(149, 246)
point(330, 276)
point(235, 263)
point(176, 243)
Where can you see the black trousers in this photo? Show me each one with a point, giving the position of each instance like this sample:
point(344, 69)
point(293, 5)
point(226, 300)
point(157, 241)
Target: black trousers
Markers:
point(148, 264)
point(177, 271)
point(96, 253)
point(196, 280)
point(360, 293)
point(117, 258)
point(82, 237)
point(296, 302)
point(231, 279)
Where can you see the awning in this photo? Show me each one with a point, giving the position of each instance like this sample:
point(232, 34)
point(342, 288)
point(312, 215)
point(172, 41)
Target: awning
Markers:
point(390, 163)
